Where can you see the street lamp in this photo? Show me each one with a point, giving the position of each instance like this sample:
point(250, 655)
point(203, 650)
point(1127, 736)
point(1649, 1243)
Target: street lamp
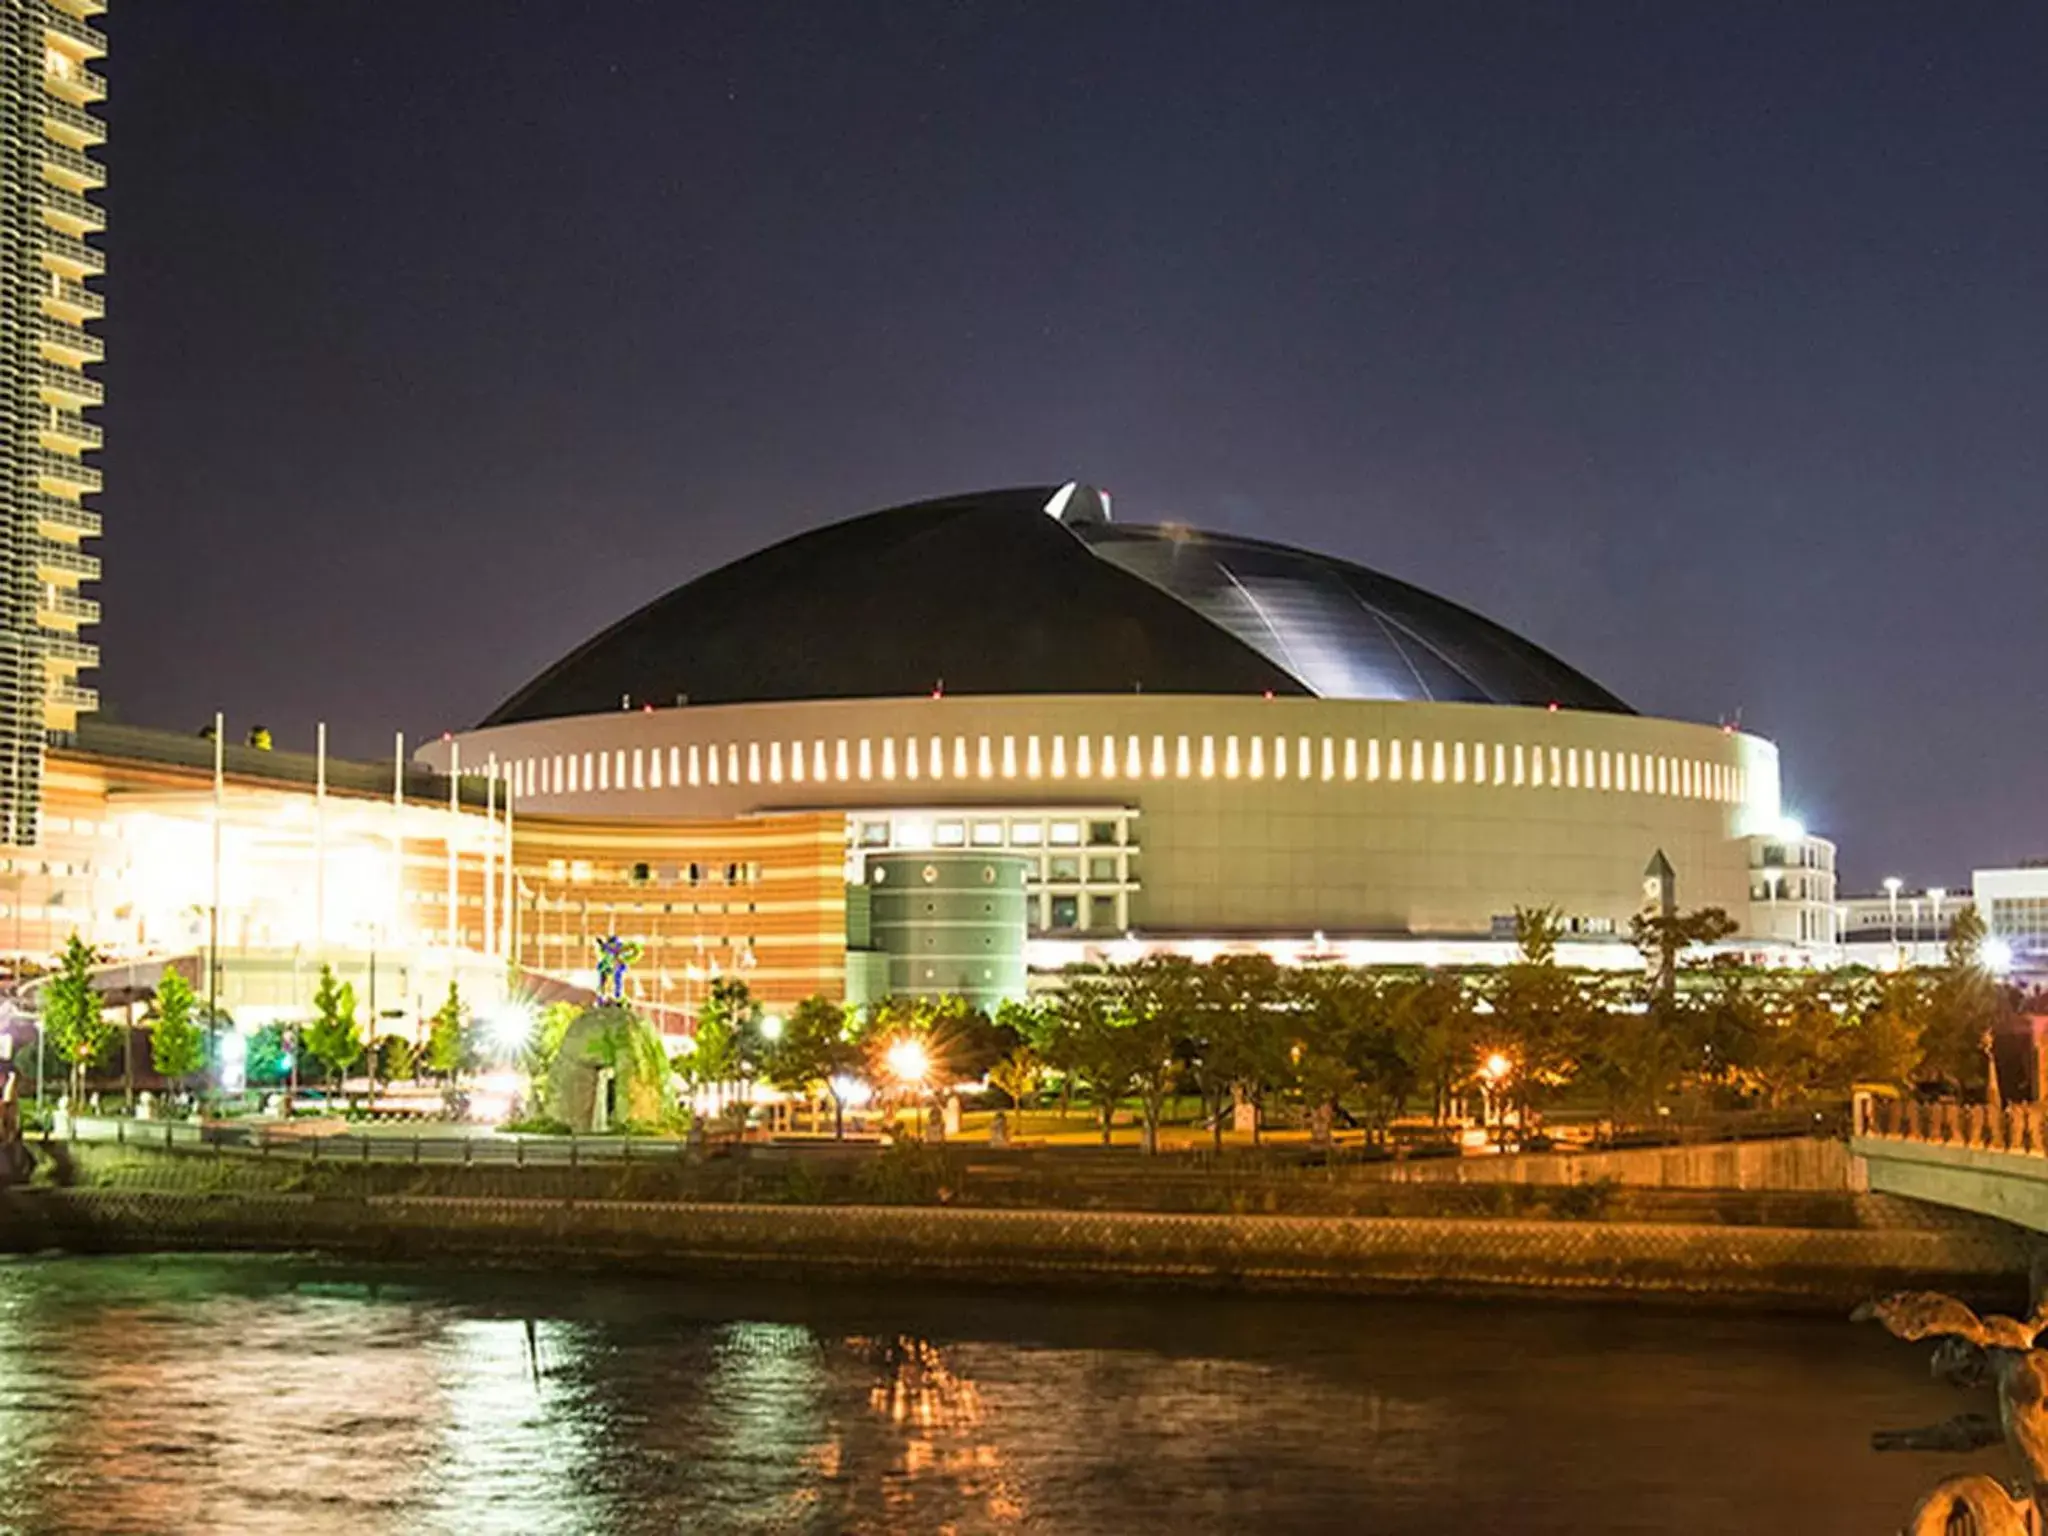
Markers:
point(1892, 886)
point(771, 1028)
point(1935, 896)
point(1494, 1070)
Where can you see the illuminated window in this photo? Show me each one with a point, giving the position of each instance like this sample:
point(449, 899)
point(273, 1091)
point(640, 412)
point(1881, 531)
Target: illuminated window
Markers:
point(1536, 757)
point(753, 762)
point(604, 770)
point(775, 762)
point(818, 760)
point(1083, 757)
point(888, 757)
point(675, 766)
point(1183, 758)
point(937, 761)
point(711, 756)
point(1257, 766)
point(1134, 767)
point(1158, 757)
point(959, 757)
point(1027, 834)
point(1208, 765)
point(1009, 757)
point(1059, 757)
point(639, 772)
point(988, 834)
point(1108, 759)
point(1066, 834)
point(1415, 761)
point(1350, 758)
point(949, 834)
point(842, 760)
point(696, 771)
point(1500, 762)
point(1478, 762)
point(1571, 767)
point(984, 759)
point(1372, 760)
point(619, 768)
point(910, 757)
point(796, 762)
point(1436, 762)
point(1230, 757)
point(1279, 757)
point(866, 759)
point(1394, 773)
point(1033, 767)
point(1329, 758)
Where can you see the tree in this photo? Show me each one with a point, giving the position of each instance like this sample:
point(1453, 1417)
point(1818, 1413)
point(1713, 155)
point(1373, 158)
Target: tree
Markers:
point(1434, 1020)
point(1018, 1075)
point(1243, 1009)
point(1663, 940)
point(815, 1054)
point(1965, 1006)
point(396, 1059)
point(1882, 1045)
point(73, 1020)
point(333, 1038)
point(1541, 1015)
point(177, 1045)
point(451, 1037)
point(1097, 1050)
point(730, 1047)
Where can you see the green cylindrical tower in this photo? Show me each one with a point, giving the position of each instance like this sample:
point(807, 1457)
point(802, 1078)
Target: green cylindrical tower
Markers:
point(951, 924)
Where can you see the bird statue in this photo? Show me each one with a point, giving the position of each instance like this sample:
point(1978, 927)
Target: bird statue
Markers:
point(1975, 1351)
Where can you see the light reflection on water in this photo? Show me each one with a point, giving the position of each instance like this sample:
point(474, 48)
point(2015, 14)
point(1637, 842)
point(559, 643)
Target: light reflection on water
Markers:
point(259, 1394)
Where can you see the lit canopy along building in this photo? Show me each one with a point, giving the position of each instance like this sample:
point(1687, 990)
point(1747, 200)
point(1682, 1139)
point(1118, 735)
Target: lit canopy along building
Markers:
point(346, 863)
point(1164, 738)
point(48, 87)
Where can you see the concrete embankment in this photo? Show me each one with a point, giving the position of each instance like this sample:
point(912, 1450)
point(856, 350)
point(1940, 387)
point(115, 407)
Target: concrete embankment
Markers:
point(137, 1206)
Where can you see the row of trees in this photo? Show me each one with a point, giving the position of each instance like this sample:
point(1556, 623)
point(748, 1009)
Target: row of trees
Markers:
point(1333, 1041)
point(82, 1033)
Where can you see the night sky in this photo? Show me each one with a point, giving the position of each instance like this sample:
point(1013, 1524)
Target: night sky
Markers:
point(1702, 343)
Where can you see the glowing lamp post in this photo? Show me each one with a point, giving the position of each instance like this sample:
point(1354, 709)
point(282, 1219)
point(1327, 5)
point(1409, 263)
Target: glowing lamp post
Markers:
point(1892, 886)
point(1494, 1073)
point(908, 1063)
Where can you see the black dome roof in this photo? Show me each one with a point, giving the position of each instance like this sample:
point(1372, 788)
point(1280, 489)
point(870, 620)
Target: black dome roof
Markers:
point(991, 594)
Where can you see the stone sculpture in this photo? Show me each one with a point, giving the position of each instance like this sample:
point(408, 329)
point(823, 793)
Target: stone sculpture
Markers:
point(1990, 1351)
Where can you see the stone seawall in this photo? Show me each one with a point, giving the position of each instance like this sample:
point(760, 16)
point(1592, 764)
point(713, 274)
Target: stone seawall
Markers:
point(1753, 1265)
point(1807, 1164)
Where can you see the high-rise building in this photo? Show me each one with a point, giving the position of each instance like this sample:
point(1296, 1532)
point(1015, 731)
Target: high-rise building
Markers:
point(47, 218)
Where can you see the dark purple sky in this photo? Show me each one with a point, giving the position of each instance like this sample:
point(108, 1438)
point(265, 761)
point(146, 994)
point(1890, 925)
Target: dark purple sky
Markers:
point(1703, 343)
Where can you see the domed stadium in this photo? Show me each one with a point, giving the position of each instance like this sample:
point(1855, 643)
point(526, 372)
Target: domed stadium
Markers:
point(1168, 738)
point(1037, 591)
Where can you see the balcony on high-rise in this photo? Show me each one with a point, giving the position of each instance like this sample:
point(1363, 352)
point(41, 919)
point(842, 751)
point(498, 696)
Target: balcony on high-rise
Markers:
point(62, 475)
point(63, 521)
point(64, 386)
point(66, 78)
point(69, 695)
point(59, 607)
point(65, 298)
point(59, 645)
point(67, 343)
point(70, 256)
point(64, 31)
point(67, 432)
point(71, 214)
point(71, 125)
point(65, 564)
point(71, 169)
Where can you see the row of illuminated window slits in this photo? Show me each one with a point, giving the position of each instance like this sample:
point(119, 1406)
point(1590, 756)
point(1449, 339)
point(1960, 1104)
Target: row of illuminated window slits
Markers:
point(937, 759)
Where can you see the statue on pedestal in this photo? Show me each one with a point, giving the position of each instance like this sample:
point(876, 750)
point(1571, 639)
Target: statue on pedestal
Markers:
point(614, 955)
point(1991, 1351)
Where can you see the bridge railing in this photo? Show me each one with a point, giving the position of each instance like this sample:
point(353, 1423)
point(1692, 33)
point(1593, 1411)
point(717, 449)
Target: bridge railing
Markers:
point(2021, 1128)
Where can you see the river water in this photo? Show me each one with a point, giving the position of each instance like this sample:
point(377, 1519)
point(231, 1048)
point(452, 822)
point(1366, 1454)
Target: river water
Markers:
point(262, 1394)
